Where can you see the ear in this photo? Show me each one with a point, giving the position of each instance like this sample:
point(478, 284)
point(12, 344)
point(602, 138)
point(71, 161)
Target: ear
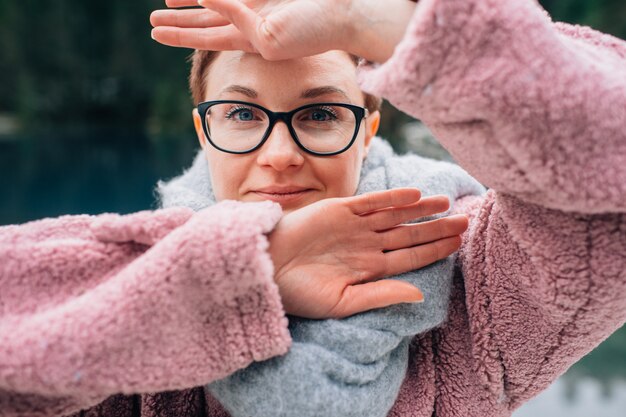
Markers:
point(197, 124)
point(372, 123)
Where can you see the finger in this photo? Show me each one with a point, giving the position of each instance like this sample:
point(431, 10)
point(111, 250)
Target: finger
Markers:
point(409, 259)
point(405, 236)
point(221, 38)
point(379, 294)
point(379, 200)
point(181, 3)
point(239, 14)
point(187, 18)
point(388, 218)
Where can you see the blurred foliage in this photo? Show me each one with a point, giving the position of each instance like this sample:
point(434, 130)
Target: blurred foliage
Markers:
point(608, 16)
point(70, 62)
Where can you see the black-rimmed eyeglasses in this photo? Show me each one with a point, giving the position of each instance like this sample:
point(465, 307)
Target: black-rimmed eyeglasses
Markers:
point(322, 129)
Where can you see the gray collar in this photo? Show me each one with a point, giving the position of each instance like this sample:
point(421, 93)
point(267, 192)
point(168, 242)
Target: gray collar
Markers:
point(382, 170)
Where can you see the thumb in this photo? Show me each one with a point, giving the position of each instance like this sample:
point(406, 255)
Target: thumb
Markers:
point(379, 294)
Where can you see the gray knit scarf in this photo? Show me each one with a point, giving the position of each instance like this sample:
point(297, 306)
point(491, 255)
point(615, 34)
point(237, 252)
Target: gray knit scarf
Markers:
point(351, 367)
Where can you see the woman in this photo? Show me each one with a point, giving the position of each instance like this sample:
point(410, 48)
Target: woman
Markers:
point(516, 320)
point(95, 306)
point(371, 348)
point(321, 146)
point(533, 109)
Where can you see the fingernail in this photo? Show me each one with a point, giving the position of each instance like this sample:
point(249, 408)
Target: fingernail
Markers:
point(152, 34)
point(419, 299)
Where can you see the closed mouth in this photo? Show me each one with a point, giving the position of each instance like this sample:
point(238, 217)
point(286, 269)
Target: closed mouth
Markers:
point(282, 194)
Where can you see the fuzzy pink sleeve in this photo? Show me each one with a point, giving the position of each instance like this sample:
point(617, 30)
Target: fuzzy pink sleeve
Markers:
point(542, 289)
point(93, 306)
point(536, 111)
point(527, 106)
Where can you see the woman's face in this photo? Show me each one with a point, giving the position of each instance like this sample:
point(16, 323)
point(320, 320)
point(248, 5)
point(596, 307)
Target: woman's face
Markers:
point(280, 171)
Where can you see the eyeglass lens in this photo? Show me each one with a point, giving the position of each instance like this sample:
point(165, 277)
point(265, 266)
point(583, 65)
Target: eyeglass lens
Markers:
point(238, 127)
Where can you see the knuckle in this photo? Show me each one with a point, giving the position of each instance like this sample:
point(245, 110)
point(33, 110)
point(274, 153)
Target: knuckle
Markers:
point(415, 234)
point(394, 198)
point(371, 203)
point(440, 224)
point(397, 216)
point(415, 259)
point(437, 251)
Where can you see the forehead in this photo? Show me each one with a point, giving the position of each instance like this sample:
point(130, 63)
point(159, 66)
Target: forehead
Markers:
point(282, 80)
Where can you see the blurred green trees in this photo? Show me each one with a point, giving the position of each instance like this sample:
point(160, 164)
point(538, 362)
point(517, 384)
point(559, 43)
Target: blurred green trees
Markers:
point(71, 62)
point(608, 16)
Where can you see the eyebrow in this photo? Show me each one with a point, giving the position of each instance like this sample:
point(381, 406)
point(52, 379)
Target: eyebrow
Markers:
point(307, 94)
point(320, 91)
point(241, 90)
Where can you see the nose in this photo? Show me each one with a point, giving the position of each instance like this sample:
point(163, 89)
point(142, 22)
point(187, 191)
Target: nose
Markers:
point(280, 151)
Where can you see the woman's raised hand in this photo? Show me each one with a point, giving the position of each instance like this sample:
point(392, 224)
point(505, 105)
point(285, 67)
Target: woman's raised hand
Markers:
point(329, 256)
point(285, 29)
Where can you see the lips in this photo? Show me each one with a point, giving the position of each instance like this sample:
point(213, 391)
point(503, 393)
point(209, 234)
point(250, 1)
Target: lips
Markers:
point(281, 190)
point(284, 194)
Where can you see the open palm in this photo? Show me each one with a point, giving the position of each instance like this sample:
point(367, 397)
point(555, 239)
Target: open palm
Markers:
point(330, 256)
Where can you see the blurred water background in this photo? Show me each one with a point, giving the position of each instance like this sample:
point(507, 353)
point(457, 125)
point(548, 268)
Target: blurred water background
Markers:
point(93, 113)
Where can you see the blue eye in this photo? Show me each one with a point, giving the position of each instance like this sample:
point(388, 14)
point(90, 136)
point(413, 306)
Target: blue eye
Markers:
point(321, 114)
point(245, 115)
point(241, 114)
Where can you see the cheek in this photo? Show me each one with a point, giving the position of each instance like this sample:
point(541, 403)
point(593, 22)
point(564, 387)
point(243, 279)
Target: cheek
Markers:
point(227, 174)
point(341, 174)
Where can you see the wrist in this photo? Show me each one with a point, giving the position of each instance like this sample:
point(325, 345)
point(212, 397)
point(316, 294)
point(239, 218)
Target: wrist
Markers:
point(277, 251)
point(274, 254)
point(376, 27)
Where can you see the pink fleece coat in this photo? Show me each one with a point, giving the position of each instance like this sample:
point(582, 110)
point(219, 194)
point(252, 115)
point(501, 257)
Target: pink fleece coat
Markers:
point(97, 312)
